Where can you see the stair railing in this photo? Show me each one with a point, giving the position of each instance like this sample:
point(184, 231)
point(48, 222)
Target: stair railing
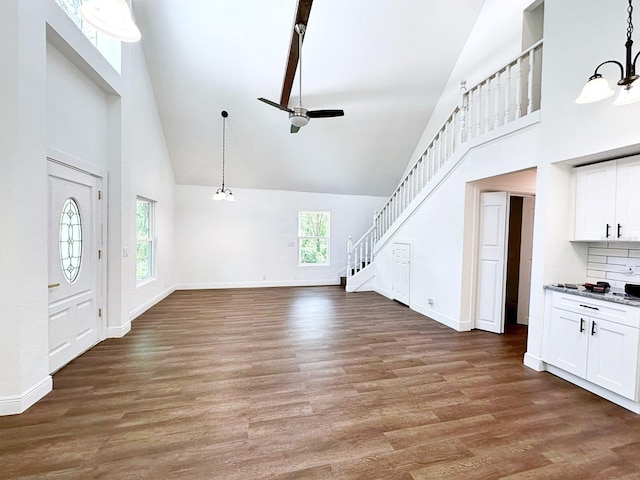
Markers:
point(360, 253)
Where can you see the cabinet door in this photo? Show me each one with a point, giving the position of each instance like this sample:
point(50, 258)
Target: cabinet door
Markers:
point(628, 199)
point(613, 357)
point(595, 202)
point(568, 341)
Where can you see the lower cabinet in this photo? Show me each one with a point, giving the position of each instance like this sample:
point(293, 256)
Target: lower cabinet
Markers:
point(587, 344)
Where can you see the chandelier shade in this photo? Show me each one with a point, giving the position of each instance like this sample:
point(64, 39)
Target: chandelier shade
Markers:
point(111, 17)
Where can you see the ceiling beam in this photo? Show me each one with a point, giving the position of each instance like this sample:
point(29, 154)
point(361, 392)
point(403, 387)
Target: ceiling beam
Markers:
point(302, 16)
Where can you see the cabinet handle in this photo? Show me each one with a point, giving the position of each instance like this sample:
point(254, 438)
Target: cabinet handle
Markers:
point(589, 307)
point(619, 227)
point(607, 233)
point(593, 328)
point(581, 325)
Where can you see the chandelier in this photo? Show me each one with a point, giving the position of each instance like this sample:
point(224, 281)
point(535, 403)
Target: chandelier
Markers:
point(597, 88)
point(224, 193)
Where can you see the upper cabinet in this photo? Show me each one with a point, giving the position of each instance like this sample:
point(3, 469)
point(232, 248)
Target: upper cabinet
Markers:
point(608, 201)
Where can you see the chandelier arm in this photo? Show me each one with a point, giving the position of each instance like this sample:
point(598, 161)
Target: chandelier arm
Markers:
point(633, 64)
point(596, 74)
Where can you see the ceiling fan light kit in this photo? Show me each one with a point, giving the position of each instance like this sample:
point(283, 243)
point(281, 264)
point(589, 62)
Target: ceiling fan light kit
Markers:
point(223, 193)
point(111, 17)
point(299, 116)
point(597, 87)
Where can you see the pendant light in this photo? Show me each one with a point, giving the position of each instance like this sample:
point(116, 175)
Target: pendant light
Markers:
point(111, 17)
point(597, 88)
point(224, 193)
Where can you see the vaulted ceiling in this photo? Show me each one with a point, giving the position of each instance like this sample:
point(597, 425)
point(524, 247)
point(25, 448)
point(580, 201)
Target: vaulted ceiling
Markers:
point(385, 62)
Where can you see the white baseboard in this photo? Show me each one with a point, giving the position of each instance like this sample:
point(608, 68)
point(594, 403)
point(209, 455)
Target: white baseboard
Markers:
point(150, 303)
point(534, 363)
point(384, 292)
point(14, 405)
point(258, 284)
point(118, 332)
point(450, 322)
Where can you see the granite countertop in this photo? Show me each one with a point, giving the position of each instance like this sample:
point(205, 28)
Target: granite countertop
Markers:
point(616, 297)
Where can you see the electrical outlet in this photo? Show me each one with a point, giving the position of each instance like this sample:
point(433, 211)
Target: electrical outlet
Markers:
point(430, 302)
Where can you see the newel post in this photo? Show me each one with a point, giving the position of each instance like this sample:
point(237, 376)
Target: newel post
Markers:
point(349, 249)
point(463, 111)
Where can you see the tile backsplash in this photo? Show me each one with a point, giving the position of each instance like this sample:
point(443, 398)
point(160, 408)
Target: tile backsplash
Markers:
point(614, 262)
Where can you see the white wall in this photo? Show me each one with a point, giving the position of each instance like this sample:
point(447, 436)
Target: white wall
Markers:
point(62, 98)
point(150, 175)
point(253, 241)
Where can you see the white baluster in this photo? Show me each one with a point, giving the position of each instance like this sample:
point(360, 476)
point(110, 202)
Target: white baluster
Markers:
point(497, 96)
point(487, 106)
point(463, 117)
point(479, 111)
point(518, 92)
point(530, 82)
point(507, 96)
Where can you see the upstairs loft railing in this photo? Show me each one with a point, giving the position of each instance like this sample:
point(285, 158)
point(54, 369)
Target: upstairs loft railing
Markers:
point(511, 93)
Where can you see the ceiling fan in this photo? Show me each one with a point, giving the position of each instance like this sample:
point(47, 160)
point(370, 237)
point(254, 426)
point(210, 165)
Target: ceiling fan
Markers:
point(298, 115)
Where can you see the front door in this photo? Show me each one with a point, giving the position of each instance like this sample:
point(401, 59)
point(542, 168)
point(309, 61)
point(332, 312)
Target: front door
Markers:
point(491, 261)
point(74, 270)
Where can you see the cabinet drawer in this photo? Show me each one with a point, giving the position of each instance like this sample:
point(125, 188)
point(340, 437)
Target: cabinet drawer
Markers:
point(614, 312)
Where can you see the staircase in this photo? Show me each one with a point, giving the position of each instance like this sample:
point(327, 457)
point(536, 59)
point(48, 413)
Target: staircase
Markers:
point(504, 101)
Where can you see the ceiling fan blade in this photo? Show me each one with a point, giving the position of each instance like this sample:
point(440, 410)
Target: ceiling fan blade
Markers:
point(274, 104)
point(325, 113)
point(302, 16)
point(294, 129)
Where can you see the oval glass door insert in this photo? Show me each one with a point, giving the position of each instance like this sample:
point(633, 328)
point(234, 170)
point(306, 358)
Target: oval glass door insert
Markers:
point(70, 234)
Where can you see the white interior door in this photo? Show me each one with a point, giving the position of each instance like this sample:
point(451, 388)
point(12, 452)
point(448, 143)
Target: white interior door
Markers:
point(526, 251)
point(401, 272)
point(74, 279)
point(491, 261)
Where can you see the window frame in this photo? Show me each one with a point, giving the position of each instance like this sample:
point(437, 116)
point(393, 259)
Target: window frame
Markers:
point(327, 238)
point(149, 239)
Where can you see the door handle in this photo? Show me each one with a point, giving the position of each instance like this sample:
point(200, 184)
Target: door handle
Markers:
point(593, 328)
point(581, 325)
point(607, 232)
point(619, 227)
point(53, 285)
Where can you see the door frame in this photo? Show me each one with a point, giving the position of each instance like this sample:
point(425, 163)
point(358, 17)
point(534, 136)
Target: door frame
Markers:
point(478, 189)
point(68, 161)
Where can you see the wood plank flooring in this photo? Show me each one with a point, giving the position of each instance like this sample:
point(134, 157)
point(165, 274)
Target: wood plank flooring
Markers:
point(312, 383)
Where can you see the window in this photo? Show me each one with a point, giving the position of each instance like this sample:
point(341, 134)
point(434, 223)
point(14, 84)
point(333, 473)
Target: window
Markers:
point(144, 239)
point(109, 47)
point(313, 238)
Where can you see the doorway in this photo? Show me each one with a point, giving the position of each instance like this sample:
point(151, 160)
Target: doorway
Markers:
point(501, 281)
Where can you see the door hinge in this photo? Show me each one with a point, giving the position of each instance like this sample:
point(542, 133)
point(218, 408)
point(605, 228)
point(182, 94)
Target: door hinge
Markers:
point(99, 254)
point(99, 194)
point(100, 312)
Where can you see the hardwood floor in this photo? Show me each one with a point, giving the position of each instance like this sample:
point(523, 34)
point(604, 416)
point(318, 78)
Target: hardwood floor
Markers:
point(312, 383)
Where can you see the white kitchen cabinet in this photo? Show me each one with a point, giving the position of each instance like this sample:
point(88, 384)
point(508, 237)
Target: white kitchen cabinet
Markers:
point(597, 341)
point(607, 197)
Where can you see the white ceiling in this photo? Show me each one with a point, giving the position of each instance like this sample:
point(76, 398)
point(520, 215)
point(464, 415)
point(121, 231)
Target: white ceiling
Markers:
point(385, 62)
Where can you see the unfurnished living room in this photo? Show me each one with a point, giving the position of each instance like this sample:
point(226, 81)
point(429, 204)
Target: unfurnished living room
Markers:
point(381, 239)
